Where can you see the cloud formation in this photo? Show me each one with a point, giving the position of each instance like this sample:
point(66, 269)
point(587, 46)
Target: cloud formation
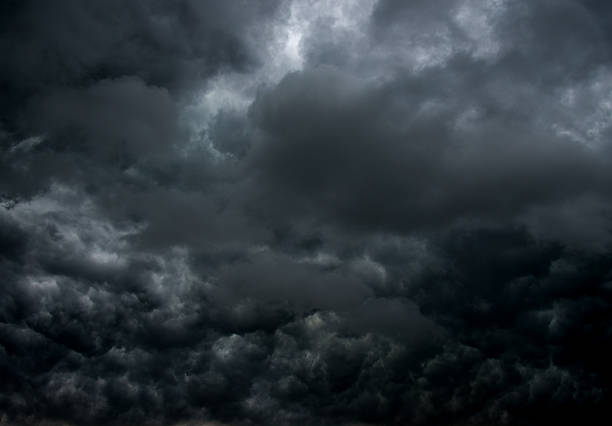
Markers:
point(298, 212)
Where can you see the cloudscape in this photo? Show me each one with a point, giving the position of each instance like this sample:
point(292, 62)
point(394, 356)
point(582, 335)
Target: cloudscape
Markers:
point(305, 212)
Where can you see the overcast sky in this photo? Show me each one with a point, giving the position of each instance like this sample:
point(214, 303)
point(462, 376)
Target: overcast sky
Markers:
point(300, 212)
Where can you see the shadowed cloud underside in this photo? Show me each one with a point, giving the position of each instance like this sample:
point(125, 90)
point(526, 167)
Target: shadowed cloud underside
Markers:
point(348, 212)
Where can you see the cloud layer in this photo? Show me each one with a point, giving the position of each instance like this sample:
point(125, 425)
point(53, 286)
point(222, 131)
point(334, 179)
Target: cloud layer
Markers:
point(305, 212)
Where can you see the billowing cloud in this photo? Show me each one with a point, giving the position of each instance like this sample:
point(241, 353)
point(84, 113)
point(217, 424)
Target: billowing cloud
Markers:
point(305, 212)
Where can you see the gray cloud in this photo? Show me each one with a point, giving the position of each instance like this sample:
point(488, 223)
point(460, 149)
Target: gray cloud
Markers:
point(288, 212)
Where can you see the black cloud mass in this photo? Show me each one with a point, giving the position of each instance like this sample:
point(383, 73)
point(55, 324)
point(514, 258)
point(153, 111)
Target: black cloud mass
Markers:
point(296, 212)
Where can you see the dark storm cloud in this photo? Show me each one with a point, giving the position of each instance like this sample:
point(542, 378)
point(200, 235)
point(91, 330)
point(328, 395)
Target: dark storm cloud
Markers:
point(294, 212)
point(397, 156)
point(165, 43)
point(77, 76)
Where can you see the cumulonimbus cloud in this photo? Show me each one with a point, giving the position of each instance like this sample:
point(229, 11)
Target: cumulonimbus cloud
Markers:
point(300, 212)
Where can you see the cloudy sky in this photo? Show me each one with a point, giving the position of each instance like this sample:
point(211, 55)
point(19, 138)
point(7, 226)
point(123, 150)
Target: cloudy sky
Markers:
point(300, 212)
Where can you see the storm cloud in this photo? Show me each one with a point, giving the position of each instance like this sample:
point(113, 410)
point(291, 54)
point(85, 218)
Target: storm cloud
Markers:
point(305, 212)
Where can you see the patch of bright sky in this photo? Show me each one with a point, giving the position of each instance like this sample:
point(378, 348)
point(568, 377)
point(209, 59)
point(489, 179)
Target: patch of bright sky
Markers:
point(280, 51)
